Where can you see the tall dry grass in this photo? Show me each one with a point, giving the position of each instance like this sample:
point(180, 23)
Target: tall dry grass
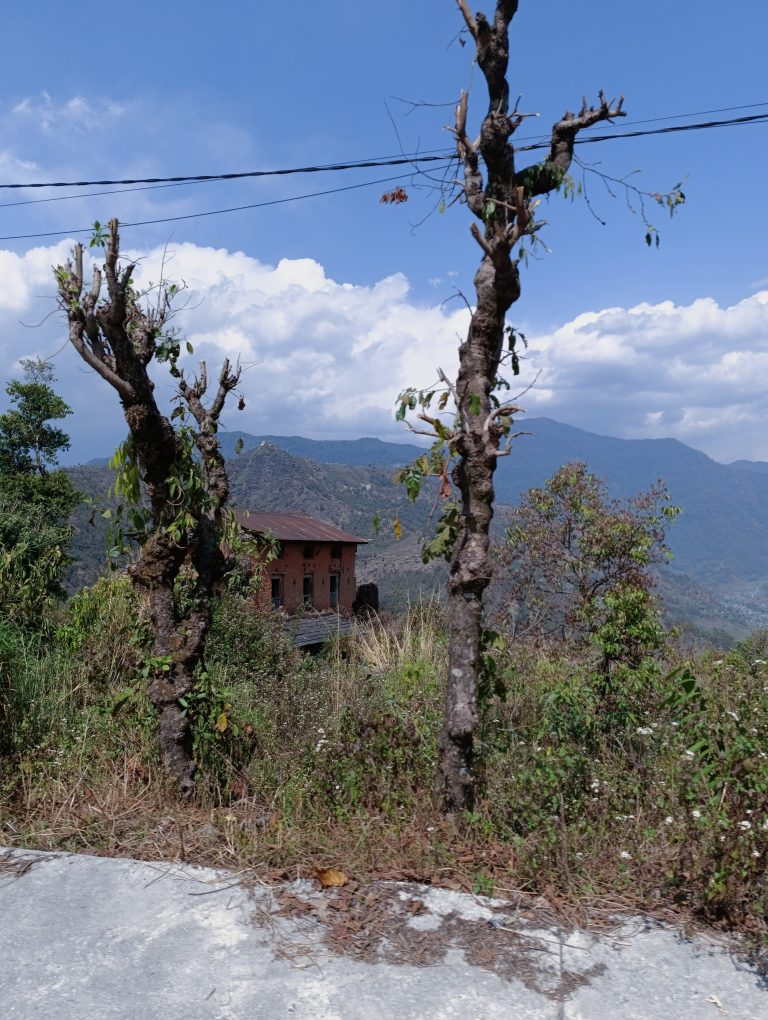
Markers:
point(651, 792)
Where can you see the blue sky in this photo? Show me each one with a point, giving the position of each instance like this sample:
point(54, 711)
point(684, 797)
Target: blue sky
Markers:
point(337, 302)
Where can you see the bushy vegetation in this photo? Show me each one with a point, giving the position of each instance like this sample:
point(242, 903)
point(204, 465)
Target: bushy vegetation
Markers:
point(647, 788)
point(608, 770)
point(36, 498)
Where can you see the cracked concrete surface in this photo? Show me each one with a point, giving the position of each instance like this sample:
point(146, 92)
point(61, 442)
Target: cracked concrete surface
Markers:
point(88, 938)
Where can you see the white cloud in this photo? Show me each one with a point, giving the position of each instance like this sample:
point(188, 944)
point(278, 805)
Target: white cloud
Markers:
point(321, 358)
point(327, 358)
point(694, 372)
point(75, 113)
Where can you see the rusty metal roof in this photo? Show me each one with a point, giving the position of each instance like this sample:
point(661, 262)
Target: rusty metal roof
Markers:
point(294, 527)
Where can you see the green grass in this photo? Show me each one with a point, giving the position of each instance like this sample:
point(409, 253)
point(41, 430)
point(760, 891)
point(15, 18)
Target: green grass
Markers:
point(646, 792)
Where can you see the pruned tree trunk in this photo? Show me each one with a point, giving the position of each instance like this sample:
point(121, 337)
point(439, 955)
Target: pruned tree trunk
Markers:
point(118, 337)
point(504, 202)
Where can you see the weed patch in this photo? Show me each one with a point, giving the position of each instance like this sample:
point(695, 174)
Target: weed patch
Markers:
point(644, 790)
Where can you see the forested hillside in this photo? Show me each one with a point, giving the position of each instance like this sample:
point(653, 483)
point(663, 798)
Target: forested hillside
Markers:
point(717, 581)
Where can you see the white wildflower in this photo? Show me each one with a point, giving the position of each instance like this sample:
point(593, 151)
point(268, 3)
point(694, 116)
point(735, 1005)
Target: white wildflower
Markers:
point(695, 813)
point(745, 826)
point(733, 715)
point(644, 731)
point(755, 853)
point(668, 820)
point(625, 856)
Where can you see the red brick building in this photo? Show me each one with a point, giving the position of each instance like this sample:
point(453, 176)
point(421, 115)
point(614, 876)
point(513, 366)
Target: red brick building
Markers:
point(315, 566)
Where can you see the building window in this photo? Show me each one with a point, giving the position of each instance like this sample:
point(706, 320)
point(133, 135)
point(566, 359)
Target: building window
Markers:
point(277, 591)
point(309, 550)
point(334, 592)
point(308, 590)
point(336, 551)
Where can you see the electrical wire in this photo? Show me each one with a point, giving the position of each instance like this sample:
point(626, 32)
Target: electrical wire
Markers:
point(446, 154)
point(211, 212)
point(445, 160)
point(427, 155)
point(91, 194)
point(755, 118)
point(656, 120)
point(196, 178)
point(697, 113)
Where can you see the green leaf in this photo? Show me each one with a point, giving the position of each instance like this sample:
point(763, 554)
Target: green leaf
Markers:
point(474, 403)
point(190, 348)
point(121, 699)
point(441, 207)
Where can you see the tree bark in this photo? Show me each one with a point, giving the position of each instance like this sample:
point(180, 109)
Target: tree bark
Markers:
point(503, 202)
point(119, 338)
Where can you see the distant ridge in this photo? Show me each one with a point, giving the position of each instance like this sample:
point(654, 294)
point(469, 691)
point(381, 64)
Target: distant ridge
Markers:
point(758, 466)
point(720, 539)
point(366, 452)
point(722, 535)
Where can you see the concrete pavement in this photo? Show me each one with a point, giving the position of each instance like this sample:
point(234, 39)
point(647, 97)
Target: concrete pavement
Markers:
point(88, 938)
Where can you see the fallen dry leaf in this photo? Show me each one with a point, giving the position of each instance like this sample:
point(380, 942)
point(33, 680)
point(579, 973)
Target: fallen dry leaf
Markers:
point(330, 878)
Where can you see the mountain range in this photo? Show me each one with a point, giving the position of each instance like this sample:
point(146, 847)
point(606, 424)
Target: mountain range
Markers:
point(718, 580)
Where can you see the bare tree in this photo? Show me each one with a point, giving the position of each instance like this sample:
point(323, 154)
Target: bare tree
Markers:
point(118, 334)
point(503, 200)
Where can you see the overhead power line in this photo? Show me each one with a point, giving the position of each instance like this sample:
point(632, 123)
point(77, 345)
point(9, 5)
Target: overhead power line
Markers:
point(444, 160)
point(91, 194)
point(698, 113)
point(412, 159)
point(429, 155)
point(404, 159)
point(656, 120)
point(211, 212)
point(192, 179)
point(755, 118)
